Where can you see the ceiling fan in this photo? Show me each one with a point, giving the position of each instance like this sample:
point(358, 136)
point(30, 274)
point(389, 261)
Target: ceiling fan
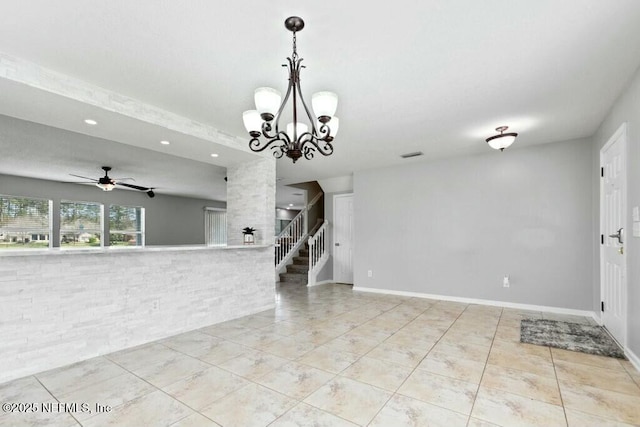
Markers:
point(107, 184)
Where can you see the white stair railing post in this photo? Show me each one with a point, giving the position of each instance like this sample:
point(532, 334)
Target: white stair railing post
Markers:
point(288, 241)
point(317, 253)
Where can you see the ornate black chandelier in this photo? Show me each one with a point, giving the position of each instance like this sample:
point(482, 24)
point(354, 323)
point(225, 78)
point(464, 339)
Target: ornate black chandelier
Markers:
point(296, 140)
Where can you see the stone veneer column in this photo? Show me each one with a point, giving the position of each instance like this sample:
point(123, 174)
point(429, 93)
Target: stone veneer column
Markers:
point(251, 200)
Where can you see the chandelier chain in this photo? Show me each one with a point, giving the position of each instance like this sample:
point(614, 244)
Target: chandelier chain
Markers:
point(294, 56)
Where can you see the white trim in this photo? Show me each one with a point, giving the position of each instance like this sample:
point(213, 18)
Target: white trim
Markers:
point(633, 358)
point(621, 132)
point(288, 259)
point(597, 317)
point(317, 240)
point(505, 304)
point(302, 238)
point(322, 282)
point(333, 229)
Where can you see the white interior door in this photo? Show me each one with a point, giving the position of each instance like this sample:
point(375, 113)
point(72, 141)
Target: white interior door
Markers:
point(343, 238)
point(613, 274)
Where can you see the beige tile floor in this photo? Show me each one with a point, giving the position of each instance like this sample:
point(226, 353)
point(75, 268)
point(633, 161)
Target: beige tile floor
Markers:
point(328, 356)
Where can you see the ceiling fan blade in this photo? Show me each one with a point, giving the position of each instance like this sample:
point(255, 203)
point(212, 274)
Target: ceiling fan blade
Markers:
point(135, 187)
point(147, 190)
point(84, 177)
point(123, 179)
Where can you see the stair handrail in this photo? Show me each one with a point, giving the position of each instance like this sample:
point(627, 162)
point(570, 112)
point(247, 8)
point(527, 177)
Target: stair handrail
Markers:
point(314, 200)
point(290, 239)
point(318, 253)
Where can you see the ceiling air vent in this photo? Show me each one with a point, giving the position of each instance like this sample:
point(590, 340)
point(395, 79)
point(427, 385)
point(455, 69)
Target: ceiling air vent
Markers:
point(414, 154)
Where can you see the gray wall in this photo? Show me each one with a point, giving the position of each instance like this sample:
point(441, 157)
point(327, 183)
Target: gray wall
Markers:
point(455, 227)
point(626, 109)
point(170, 220)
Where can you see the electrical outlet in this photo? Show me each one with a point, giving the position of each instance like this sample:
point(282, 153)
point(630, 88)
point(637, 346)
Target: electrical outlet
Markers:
point(370, 273)
point(155, 306)
point(505, 282)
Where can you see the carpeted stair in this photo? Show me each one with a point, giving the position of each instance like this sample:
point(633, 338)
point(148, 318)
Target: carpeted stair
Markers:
point(297, 272)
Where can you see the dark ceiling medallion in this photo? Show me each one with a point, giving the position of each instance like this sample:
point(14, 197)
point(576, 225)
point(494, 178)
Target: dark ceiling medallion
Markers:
point(502, 140)
point(298, 138)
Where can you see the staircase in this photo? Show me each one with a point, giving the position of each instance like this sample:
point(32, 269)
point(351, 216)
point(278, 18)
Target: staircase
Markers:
point(300, 255)
point(298, 271)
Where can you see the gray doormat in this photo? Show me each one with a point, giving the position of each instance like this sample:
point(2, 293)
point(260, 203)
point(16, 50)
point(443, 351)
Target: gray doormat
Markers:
point(569, 336)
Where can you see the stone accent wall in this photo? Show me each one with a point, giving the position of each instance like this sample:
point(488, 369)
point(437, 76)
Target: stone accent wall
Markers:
point(62, 307)
point(251, 201)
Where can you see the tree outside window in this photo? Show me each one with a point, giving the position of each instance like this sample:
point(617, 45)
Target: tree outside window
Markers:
point(80, 224)
point(126, 225)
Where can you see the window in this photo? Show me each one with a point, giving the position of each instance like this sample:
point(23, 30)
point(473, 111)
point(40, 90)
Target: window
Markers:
point(24, 223)
point(80, 224)
point(215, 226)
point(126, 225)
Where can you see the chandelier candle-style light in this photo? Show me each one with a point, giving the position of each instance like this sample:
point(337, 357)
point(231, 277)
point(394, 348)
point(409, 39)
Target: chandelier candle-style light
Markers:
point(297, 138)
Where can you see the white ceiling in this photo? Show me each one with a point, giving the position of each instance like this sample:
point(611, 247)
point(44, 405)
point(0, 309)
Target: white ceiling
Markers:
point(435, 76)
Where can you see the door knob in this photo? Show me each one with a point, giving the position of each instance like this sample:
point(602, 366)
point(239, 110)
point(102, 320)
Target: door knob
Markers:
point(337, 244)
point(617, 235)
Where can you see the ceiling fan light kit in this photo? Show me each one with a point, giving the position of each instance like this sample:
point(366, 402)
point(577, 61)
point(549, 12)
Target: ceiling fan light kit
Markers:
point(297, 138)
point(502, 140)
point(105, 187)
point(106, 183)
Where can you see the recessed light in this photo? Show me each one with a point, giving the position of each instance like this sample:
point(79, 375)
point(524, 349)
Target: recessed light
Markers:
point(214, 155)
point(90, 122)
point(290, 204)
point(164, 142)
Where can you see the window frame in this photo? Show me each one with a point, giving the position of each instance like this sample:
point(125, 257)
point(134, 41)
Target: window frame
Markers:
point(142, 233)
point(207, 226)
point(100, 230)
point(31, 231)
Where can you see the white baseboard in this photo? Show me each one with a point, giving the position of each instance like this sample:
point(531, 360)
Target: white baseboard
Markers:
point(505, 304)
point(633, 358)
point(322, 282)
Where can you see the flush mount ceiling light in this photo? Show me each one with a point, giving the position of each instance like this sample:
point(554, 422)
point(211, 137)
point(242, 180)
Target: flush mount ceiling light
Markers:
point(503, 140)
point(91, 122)
point(297, 139)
